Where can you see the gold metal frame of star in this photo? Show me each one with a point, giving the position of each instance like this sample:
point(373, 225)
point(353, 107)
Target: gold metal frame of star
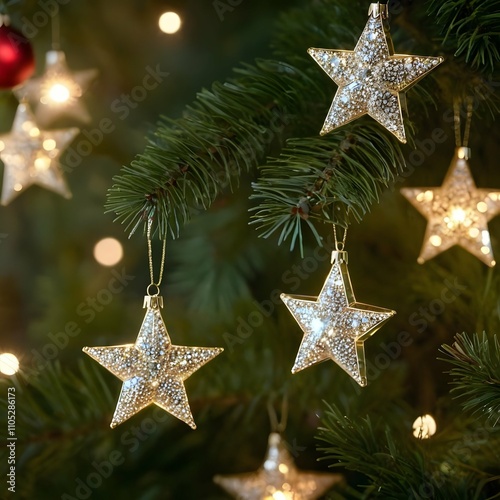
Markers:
point(152, 370)
point(371, 77)
point(335, 326)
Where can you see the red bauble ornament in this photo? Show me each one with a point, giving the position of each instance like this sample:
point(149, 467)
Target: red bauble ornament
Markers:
point(17, 62)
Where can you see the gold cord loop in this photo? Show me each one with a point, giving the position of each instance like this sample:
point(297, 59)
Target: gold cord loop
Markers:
point(340, 245)
point(154, 284)
point(278, 426)
point(456, 120)
point(56, 31)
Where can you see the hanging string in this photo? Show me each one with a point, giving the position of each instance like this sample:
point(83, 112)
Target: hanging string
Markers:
point(340, 245)
point(56, 31)
point(456, 119)
point(150, 257)
point(278, 425)
point(468, 121)
point(4, 9)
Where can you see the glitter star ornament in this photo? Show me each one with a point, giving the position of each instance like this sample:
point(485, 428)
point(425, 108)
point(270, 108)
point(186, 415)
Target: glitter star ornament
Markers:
point(152, 370)
point(57, 92)
point(335, 326)
point(278, 478)
point(370, 78)
point(31, 156)
point(457, 213)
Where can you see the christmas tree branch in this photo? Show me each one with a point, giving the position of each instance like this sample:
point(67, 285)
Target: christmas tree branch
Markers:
point(476, 373)
point(470, 29)
point(227, 131)
point(396, 464)
point(318, 179)
point(232, 128)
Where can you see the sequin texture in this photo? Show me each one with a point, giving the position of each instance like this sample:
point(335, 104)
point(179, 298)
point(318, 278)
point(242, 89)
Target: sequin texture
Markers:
point(152, 370)
point(370, 79)
point(335, 326)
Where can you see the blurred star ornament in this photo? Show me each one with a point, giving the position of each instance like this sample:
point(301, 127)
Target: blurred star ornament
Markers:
point(31, 156)
point(152, 370)
point(277, 478)
point(457, 213)
point(57, 92)
point(335, 326)
point(17, 61)
point(371, 77)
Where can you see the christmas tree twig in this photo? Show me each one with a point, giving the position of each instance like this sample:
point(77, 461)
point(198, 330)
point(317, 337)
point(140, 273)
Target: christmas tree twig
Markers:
point(470, 30)
point(476, 373)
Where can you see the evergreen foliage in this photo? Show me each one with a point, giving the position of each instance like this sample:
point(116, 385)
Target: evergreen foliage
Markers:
point(248, 151)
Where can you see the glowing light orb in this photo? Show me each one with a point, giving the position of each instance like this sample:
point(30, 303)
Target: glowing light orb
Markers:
point(108, 252)
point(424, 427)
point(9, 364)
point(59, 93)
point(170, 22)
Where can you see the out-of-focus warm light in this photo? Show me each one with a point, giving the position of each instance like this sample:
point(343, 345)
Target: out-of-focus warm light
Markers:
point(482, 207)
point(42, 163)
point(59, 93)
point(435, 240)
point(108, 252)
point(424, 427)
point(279, 495)
point(59, 90)
point(49, 144)
point(458, 214)
point(170, 22)
point(9, 364)
point(283, 468)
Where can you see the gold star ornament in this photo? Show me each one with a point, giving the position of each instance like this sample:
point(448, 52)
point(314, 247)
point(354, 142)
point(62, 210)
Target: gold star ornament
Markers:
point(152, 370)
point(370, 78)
point(335, 326)
point(57, 92)
point(457, 213)
point(31, 156)
point(278, 478)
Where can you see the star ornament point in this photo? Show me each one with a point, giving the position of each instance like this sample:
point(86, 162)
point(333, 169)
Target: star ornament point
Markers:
point(335, 326)
point(31, 156)
point(152, 370)
point(370, 78)
point(278, 478)
point(457, 213)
